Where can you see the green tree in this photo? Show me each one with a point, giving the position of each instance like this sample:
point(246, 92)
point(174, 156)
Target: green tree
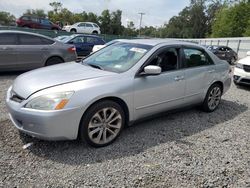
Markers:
point(105, 22)
point(6, 18)
point(57, 6)
point(232, 21)
point(35, 12)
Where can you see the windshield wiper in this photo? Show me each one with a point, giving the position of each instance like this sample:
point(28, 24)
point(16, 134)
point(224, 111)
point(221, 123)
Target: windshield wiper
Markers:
point(95, 66)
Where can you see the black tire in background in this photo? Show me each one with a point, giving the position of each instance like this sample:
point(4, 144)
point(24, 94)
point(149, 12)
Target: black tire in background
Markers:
point(53, 61)
point(85, 129)
point(73, 31)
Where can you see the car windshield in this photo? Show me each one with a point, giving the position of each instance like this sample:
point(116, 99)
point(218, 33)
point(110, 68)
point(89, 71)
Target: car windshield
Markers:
point(68, 38)
point(118, 57)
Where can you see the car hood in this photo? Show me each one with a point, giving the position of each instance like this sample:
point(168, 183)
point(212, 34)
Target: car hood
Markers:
point(245, 61)
point(39, 79)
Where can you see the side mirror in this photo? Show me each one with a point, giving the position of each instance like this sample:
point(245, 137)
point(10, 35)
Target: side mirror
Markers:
point(152, 70)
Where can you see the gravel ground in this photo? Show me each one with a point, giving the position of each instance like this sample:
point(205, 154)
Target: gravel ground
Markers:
point(184, 149)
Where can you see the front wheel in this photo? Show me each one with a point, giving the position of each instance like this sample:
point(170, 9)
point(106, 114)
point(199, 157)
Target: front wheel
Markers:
point(213, 98)
point(102, 123)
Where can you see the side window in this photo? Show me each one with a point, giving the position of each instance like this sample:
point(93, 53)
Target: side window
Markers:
point(91, 40)
point(25, 18)
point(166, 59)
point(88, 25)
point(47, 41)
point(45, 22)
point(81, 25)
point(30, 40)
point(195, 57)
point(79, 39)
point(34, 19)
point(96, 26)
point(8, 39)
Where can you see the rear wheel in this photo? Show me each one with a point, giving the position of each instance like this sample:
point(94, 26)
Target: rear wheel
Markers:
point(102, 123)
point(213, 98)
point(53, 61)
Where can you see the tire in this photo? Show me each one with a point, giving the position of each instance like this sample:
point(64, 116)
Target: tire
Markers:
point(73, 31)
point(95, 32)
point(213, 98)
point(53, 61)
point(94, 124)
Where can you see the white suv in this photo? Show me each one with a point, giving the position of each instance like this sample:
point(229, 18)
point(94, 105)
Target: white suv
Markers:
point(242, 71)
point(83, 27)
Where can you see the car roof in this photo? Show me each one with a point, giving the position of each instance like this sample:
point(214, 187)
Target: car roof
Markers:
point(155, 42)
point(85, 35)
point(23, 32)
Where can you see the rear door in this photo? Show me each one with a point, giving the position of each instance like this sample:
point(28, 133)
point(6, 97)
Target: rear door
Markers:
point(8, 52)
point(199, 71)
point(90, 42)
point(81, 28)
point(45, 24)
point(89, 28)
point(32, 50)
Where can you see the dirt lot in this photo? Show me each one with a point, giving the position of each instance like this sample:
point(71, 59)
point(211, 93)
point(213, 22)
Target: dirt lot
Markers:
point(184, 149)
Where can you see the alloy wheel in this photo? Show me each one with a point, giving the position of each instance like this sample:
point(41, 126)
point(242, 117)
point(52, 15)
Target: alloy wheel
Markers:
point(104, 125)
point(214, 98)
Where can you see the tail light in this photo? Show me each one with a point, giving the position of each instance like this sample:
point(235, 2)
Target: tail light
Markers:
point(72, 49)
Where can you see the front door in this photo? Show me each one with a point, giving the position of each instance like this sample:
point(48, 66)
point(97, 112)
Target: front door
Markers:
point(160, 92)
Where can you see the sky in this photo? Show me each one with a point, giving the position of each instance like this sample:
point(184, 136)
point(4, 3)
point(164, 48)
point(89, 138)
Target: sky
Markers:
point(157, 12)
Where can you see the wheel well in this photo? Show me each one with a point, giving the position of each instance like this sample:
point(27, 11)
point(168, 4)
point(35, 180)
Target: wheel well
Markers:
point(220, 83)
point(95, 31)
point(73, 29)
point(118, 101)
point(53, 57)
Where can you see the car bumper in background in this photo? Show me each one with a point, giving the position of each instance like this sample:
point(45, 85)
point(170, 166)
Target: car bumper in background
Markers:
point(241, 76)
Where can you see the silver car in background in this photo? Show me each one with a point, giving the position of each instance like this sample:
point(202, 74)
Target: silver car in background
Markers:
point(114, 87)
point(26, 51)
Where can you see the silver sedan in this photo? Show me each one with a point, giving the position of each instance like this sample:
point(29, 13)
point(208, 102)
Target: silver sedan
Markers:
point(129, 80)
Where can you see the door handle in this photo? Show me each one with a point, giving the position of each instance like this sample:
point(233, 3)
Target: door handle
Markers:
point(211, 71)
point(179, 78)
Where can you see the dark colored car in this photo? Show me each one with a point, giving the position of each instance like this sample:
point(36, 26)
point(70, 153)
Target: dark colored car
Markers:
point(83, 43)
point(224, 53)
point(36, 23)
point(26, 51)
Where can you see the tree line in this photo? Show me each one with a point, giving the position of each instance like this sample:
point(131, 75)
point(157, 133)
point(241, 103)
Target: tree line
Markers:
point(202, 18)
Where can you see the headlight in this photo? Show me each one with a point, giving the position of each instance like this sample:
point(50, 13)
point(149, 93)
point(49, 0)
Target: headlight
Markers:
point(54, 101)
point(240, 66)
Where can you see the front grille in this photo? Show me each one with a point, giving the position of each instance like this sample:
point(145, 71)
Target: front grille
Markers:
point(15, 97)
point(247, 81)
point(246, 68)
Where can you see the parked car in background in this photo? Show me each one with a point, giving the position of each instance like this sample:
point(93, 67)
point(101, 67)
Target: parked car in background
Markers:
point(83, 27)
point(98, 47)
point(242, 71)
point(121, 83)
point(83, 43)
point(224, 53)
point(62, 37)
point(36, 23)
point(26, 51)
